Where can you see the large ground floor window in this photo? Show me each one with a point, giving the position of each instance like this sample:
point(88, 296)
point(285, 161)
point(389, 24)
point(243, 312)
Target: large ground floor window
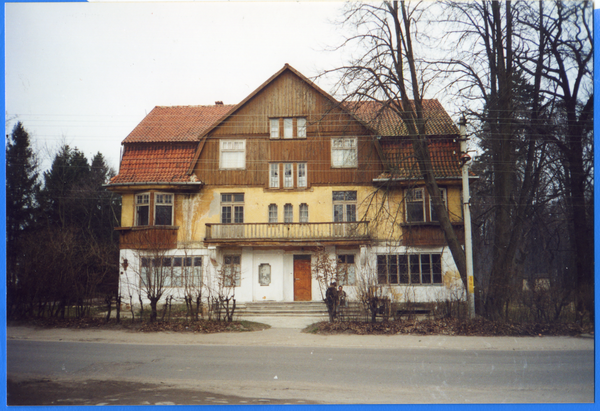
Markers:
point(185, 271)
point(416, 269)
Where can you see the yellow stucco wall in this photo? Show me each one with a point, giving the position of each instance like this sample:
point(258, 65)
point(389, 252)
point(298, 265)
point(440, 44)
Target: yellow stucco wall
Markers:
point(192, 211)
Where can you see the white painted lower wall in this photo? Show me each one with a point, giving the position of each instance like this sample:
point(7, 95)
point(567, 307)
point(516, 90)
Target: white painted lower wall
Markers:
point(281, 286)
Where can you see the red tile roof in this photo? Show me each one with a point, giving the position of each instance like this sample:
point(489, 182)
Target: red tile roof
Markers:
point(402, 164)
point(155, 163)
point(177, 123)
point(387, 122)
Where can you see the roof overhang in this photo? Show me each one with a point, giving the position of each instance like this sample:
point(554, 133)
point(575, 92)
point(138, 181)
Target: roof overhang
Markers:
point(177, 186)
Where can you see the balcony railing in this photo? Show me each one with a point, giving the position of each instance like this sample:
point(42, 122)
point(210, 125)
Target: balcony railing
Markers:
point(288, 232)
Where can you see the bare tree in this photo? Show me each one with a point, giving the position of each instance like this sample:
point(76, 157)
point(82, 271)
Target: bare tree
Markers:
point(388, 72)
point(154, 273)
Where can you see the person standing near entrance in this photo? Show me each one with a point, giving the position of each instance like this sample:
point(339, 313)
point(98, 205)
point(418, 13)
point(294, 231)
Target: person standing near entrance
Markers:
point(331, 300)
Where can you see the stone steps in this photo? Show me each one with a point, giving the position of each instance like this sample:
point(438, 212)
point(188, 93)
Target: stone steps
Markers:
point(275, 308)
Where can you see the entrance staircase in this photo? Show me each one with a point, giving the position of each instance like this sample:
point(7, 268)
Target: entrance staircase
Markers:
point(282, 308)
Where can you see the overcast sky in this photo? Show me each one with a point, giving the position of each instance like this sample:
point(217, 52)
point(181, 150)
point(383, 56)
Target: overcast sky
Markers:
point(86, 74)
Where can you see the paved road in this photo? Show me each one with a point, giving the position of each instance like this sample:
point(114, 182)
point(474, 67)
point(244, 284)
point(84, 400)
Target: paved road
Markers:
point(191, 374)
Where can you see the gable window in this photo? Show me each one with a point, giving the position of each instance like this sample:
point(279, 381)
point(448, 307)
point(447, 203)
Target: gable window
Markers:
point(232, 270)
point(300, 174)
point(301, 124)
point(288, 213)
point(163, 209)
point(233, 154)
point(417, 269)
point(302, 181)
point(272, 213)
point(142, 209)
point(415, 205)
point(344, 152)
point(344, 206)
point(432, 214)
point(232, 208)
point(304, 213)
point(274, 126)
point(288, 175)
point(288, 128)
point(274, 175)
point(346, 270)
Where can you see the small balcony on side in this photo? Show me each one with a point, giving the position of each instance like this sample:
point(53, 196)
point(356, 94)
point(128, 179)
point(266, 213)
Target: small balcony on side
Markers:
point(288, 234)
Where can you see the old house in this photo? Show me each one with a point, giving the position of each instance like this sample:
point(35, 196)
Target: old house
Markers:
point(255, 190)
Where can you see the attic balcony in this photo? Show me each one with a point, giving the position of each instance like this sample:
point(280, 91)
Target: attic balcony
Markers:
point(288, 234)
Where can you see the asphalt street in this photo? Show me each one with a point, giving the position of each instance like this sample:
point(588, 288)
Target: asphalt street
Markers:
point(321, 373)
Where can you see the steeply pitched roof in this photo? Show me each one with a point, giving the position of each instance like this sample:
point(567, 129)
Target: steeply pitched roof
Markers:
point(178, 123)
point(155, 163)
point(402, 164)
point(386, 122)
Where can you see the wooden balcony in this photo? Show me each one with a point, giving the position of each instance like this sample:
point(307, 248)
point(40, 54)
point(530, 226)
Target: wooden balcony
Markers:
point(291, 234)
point(148, 237)
point(429, 234)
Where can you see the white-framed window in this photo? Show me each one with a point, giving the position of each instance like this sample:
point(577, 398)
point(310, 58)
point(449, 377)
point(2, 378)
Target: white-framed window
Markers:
point(274, 175)
point(232, 208)
point(288, 213)
point(274, 127)
point(346, 269)
point(232, 270)
point(417, 269)
point(344, 206)
point(301, 179)
point(163, 209)
point(415, 205)
point(301, 127)
point(233, 154)
point(303, 213)
point(300, 175)
point(142, 209)
point(288, 175)
point(288, 128)
point(273, 213)
point(432, 214)
point(177, 271)
point(344, 152)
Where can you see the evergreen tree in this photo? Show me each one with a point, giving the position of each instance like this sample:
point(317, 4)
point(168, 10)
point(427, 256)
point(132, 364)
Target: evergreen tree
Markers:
point(22, 185)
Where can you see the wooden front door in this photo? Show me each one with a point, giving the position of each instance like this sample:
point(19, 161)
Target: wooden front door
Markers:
point(302, 278)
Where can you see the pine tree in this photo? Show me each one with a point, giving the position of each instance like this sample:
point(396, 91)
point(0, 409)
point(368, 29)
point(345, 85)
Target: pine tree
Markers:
point(22, 183)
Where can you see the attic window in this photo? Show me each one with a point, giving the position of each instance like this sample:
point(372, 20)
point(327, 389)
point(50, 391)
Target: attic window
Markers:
point(288, 127)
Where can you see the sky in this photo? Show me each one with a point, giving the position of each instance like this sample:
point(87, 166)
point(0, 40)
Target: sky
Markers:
point(85, 74)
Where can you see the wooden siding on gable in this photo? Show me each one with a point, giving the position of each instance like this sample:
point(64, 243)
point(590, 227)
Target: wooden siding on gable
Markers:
point(315, 151)
point(289, 96)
